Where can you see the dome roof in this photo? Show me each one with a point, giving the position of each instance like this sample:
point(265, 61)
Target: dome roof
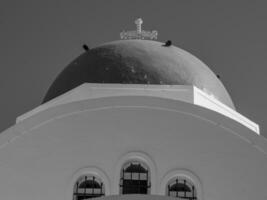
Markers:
point(138, 62)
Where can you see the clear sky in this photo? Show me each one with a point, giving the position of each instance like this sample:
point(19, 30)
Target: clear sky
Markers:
point(38, 38)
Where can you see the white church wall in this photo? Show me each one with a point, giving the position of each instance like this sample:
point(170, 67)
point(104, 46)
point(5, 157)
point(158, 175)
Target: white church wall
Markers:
point(51, 148)
point(189, 94)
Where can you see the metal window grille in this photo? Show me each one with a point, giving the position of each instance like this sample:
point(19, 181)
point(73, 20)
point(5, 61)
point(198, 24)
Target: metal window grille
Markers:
point(134, 179)
point(181, 189)
point(88, 187)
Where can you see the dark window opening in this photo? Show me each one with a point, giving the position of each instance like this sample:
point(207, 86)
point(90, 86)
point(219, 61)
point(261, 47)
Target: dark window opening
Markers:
point(182, 189)
point(88, 187)
point(134, 179)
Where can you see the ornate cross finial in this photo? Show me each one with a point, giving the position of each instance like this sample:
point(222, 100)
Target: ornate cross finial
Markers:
point(138, 23)
point(139, 33)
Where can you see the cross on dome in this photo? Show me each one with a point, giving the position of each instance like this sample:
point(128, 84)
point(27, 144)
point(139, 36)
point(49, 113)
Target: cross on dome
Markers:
point(139, 33)
point(138, 23)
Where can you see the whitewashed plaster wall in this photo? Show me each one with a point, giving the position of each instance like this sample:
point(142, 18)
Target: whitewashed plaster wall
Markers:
point(41, 156)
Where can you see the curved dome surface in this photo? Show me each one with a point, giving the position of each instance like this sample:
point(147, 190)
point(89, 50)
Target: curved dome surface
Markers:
point(138, 62)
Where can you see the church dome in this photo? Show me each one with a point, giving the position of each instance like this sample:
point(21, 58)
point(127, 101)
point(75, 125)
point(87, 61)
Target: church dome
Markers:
point(138, 62)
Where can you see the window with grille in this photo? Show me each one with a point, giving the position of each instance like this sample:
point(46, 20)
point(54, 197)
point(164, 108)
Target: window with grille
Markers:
point(135, 179)
point(87, 187)
point(181, 188)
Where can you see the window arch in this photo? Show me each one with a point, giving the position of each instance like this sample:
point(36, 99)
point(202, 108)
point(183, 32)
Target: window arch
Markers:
point(88, 186)
point(181, 188)
point(135, 178)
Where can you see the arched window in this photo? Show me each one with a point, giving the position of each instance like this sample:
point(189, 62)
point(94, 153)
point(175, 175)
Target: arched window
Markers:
point(181, 188)
point(87, 187)
point(135, 178)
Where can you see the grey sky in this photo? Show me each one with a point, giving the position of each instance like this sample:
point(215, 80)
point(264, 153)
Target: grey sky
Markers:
point(39, 38)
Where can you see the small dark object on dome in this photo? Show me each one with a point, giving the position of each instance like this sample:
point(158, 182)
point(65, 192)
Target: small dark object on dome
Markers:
point(218, 76)
point(167, 43)
point(85, 47)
